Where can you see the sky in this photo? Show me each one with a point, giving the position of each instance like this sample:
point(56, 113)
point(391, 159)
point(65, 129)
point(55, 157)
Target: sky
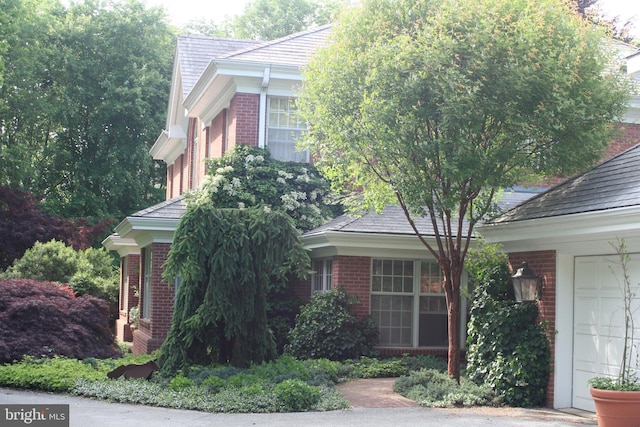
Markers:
point(182, 11)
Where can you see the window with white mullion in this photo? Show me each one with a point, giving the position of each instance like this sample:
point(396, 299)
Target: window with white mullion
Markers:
point(321, 279)
point(284, 130)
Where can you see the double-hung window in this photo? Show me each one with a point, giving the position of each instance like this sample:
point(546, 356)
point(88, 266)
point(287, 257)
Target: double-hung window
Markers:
point(284, 130)
point(321, 278)
point(408, 303)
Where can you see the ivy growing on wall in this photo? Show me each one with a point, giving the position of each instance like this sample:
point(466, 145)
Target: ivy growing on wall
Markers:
point(228, 261)
point(507, 347)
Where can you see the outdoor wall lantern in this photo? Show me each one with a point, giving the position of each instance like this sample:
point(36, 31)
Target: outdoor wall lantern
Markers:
point(526, 284)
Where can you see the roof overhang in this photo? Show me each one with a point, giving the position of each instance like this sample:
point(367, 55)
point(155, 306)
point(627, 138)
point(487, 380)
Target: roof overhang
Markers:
point(123, 246)
point(144, 231)
point(223, 78)
point(169, 145)
point(584, 233)
point(332, 243)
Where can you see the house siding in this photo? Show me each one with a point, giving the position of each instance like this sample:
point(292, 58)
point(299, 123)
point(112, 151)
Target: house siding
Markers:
point(543, 263)
point(244, 119)
point(353, 274)
point(218, 135)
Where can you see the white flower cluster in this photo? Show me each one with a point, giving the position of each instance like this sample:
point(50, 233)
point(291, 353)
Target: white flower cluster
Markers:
point(291, 201)
point(232, 188)
point(252, 159)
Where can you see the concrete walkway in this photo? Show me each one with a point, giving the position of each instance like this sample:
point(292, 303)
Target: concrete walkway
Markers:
point(379, 407)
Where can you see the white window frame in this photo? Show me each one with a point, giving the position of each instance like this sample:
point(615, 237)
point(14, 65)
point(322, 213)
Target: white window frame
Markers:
point(321, 279)
point(394, 283)
point(146, 283)
point(282, 118)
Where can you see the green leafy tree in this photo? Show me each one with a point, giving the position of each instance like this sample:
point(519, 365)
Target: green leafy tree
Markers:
point(437, 105)
point(272, 19)
point(228, 261)
point(84, 94)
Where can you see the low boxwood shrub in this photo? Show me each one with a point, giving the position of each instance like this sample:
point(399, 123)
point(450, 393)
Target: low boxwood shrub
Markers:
point(338, 336)
point(57, 374)
point(297, 395)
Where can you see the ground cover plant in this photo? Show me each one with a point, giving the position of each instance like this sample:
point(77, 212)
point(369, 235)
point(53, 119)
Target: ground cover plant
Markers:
point(284, 385)
point(436, 389)
point(44, 319)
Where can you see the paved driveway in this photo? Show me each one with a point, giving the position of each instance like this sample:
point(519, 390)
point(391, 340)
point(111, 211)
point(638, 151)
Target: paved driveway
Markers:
point(93, 413)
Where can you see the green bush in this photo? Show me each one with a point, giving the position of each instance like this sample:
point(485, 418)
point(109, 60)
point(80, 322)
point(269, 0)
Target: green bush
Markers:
point(432, 388)
point(507, 347)
point(297, 395)
point(88, 272)
point(180, 382)
point(378, 368)
point(57, 374)
point(326, 329)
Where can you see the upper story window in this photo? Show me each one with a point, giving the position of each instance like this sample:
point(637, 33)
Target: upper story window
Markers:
point(321, 278)
point(284, 129)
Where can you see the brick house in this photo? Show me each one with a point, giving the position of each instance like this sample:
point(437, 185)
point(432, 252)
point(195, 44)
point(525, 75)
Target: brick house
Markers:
point(226, 92)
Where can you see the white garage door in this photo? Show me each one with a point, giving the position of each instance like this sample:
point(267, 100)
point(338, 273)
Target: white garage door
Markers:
point(599, 321)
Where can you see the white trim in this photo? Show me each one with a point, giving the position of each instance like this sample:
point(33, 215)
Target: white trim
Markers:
point(561, 233)
point(124, 247)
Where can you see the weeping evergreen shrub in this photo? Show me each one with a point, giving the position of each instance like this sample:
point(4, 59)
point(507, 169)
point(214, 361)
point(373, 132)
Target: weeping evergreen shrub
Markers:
point(507, 347)
point(228, 261)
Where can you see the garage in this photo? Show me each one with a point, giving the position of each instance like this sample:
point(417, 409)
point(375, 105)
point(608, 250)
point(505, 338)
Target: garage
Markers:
point(599, 321)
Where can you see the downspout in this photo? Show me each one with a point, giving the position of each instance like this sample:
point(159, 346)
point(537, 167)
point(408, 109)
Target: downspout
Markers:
point(262, 112)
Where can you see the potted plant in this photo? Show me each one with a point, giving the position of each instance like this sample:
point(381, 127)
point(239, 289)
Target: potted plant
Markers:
point(617, 400)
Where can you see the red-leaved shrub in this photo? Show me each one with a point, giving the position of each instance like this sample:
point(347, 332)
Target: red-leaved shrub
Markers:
point(43, 319)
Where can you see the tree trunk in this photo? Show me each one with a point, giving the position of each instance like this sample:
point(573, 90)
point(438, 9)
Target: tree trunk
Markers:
point(452, 293)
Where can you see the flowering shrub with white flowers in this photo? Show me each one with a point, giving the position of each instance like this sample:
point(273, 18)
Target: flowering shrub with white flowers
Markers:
point(249, 176)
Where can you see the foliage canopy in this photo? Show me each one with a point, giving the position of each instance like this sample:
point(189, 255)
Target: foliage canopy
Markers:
point(84, 92)
point(439, 104)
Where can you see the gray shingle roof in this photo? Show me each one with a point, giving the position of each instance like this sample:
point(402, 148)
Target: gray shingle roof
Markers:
point(392, 220)
point(196, 52)
point(612, 184)
point(169, 209)
point(290, 50)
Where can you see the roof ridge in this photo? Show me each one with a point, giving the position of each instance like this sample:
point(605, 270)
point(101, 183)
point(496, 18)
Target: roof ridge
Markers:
point(274, 42)
point(230, 39)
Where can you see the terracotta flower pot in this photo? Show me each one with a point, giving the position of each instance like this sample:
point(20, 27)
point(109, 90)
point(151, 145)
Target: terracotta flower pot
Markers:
point(617, 408)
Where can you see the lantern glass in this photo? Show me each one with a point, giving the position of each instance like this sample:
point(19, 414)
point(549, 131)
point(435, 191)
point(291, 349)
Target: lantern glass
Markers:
point(525, 284)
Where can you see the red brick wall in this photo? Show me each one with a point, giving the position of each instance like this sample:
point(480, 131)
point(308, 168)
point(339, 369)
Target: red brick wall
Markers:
point(152, 332)
point(353, 274)
point(218, 135)
point(543, 263)
point(628, 136)
point(243, 119)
